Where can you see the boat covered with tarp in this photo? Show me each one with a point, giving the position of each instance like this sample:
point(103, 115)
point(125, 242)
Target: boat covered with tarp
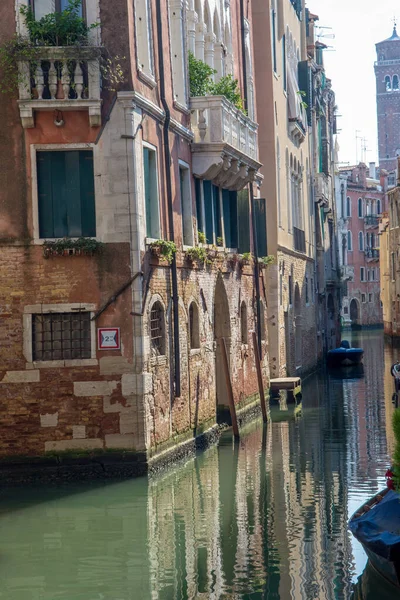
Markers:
point(345, 356)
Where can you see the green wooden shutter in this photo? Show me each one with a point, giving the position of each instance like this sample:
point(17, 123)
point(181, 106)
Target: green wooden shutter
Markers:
point(45, 196)
point(147, 187)
point(88, 206)
point(261, 226)
point(208, 210)
point(199, 214)
point(243, 214)
point(305, 85)
point(217, 213)
point(229, 207)
point(234, 217)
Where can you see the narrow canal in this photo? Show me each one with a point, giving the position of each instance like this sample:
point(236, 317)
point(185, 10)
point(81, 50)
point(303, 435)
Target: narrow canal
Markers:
point(263, 519)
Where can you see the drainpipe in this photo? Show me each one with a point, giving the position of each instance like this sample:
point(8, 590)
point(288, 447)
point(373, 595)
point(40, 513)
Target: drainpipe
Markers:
point(167, 161)
point(251, 190)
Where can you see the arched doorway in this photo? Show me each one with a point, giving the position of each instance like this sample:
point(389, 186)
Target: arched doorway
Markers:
point(298, 344)
point(354, 312)
point(222, 330)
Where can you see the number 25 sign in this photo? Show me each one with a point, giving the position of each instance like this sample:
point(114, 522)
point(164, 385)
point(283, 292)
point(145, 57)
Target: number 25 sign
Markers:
point(109, 338)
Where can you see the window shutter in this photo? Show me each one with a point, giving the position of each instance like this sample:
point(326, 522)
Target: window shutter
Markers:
point(60, 195)
point(243, 221)
point(147, 187)
point(217, 213)
point(208, 210)
point(87, 197)
point(197, 186)
point(45, 197)
point(305, 85)
point(74, 208)
point(261, 225)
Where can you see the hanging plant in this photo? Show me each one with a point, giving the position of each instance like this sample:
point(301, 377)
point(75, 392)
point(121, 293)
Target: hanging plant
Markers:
point(245, 259)
point(163, 249)
point(201, 237)
point(264, 261)
point(196, 254)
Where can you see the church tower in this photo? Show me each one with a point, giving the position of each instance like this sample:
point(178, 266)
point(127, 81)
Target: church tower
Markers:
point(387, 73)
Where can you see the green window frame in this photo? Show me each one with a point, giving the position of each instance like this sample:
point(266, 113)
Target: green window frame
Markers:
point(66, 194)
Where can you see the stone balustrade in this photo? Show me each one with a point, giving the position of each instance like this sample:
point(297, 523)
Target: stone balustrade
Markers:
point(60, 78)
point(225, 146)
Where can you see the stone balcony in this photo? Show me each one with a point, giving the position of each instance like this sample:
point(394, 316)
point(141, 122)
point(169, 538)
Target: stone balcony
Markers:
point(371, 221)
point(322, 189)
point(225, 148)
point(371, 254)
point(60, 79)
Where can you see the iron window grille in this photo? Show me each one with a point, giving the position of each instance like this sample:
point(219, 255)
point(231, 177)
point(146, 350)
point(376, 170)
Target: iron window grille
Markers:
point(157, 329)
point(61, 336)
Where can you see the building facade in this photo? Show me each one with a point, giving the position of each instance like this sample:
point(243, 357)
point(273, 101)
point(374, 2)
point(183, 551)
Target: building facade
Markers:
point(111, 339)
point(296, 116)
point(362, 201)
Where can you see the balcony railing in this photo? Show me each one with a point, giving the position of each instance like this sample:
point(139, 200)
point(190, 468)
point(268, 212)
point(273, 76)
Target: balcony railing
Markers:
point(371, 253)
point(299, 239)
point(371, 220)
point(60, 78)
point(225, 147)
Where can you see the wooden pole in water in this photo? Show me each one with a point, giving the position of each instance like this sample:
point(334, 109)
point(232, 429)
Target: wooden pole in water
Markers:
point(260, 379)
point(232, 407)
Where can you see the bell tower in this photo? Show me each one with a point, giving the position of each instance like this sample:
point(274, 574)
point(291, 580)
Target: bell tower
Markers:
point(387, 73)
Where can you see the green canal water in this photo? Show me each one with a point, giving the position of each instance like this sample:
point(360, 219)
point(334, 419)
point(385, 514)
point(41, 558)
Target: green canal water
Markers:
point(263, 519)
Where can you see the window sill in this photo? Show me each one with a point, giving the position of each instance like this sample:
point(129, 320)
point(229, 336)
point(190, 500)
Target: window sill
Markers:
point(147, 78)
point(181, 107)
point(62, 364)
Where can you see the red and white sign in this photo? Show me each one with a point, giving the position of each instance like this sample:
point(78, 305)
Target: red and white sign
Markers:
point(109, 338)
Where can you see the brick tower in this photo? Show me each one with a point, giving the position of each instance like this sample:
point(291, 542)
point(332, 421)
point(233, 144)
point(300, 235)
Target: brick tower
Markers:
point(387, 73)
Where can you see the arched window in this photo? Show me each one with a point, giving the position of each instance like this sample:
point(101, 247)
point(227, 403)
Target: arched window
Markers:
point(388, 83)
point(157, 329)
point(361, 241)
point(378, 207)
point(342, 200)
point(360, 207)
point(194, 326)
point(348, 206)
point(262, 320)
point(243, 323)
point(395, 84)
point(349, 241)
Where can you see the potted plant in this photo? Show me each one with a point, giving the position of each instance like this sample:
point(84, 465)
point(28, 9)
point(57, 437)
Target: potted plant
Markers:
point(264, 261)
point(245, 259)
point(196, 255)
point(163, 249)
point(201, 237)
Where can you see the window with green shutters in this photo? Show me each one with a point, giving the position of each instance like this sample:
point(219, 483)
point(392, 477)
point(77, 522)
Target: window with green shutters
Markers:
point(261, 226)
point(66, 200)
point(220, 209)
point(243, 209)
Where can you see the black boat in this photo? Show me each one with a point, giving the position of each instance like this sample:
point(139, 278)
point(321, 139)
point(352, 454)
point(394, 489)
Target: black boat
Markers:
point(345, 356)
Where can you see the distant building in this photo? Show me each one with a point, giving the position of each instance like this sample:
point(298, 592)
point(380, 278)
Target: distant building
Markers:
point(361, 200)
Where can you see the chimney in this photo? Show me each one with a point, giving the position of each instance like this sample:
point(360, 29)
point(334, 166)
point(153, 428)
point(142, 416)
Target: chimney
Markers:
point(398, 170)
point(372, 170)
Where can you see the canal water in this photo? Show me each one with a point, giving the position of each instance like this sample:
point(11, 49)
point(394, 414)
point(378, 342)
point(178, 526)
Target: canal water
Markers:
point(263, 519)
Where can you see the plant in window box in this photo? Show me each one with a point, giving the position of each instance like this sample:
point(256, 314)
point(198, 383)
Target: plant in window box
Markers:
point(245, 259)
point(71, 247)
point(201, 237)
point(196, 255)
point(220, 242)
point(264, 261)
point(163, 249)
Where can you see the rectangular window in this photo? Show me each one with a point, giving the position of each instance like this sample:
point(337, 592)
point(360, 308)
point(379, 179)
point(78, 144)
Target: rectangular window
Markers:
point(273, 19)
point(229, 211)
point(369, 274)
point(198, 186)
point(243, 221)
point(61, 336)
point(370, 297)
point(66, 200)
point(362, 297)
point(290, 291)
point(260, 217)
point(362, 274)
point(220, 209)
point(45, 7)
point(186, 205)
point(373, 274)
point(151, 193)
point(284, 76)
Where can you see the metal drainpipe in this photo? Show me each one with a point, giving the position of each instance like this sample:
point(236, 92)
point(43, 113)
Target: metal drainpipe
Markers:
point(251, 191)
point(167, 160)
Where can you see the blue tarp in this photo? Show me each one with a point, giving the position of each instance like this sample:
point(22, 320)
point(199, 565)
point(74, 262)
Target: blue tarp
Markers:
point(379, 528)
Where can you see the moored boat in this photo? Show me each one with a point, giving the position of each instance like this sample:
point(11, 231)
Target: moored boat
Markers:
point(345, 356)
point(376, 525)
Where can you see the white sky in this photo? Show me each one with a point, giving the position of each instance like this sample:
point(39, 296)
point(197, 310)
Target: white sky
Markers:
point(357, 25)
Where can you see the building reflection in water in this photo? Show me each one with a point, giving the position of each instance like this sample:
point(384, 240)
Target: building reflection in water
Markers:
point(266, 518)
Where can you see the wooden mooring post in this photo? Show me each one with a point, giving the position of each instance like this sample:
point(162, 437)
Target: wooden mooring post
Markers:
point(260, 379)
point(232, 406)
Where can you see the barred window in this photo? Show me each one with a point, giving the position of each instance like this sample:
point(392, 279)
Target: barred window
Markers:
point(61, 336)
point(157, 329)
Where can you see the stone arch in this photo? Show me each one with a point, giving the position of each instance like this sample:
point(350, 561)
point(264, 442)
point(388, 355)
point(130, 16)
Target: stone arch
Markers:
point(222, 331)
point(207, 17)
point(298, 342)
point(354, 311)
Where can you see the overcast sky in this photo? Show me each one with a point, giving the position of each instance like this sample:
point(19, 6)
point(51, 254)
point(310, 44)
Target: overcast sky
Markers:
point(357, 25)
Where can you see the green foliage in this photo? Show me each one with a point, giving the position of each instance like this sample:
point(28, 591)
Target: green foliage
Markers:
point(68, 246)
point(201, 83)
point(220, 241)
point(12, 51)
point(199, 76)
point(228, 87)
point(64, 28)
point(196, 254)
point(396, 454)
point(202, 237)
point(164, 248)
point(267, 260)
point(247, 257)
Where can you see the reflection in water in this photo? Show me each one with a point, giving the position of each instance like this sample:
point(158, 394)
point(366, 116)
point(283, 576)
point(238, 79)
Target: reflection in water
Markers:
point(266, 518)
